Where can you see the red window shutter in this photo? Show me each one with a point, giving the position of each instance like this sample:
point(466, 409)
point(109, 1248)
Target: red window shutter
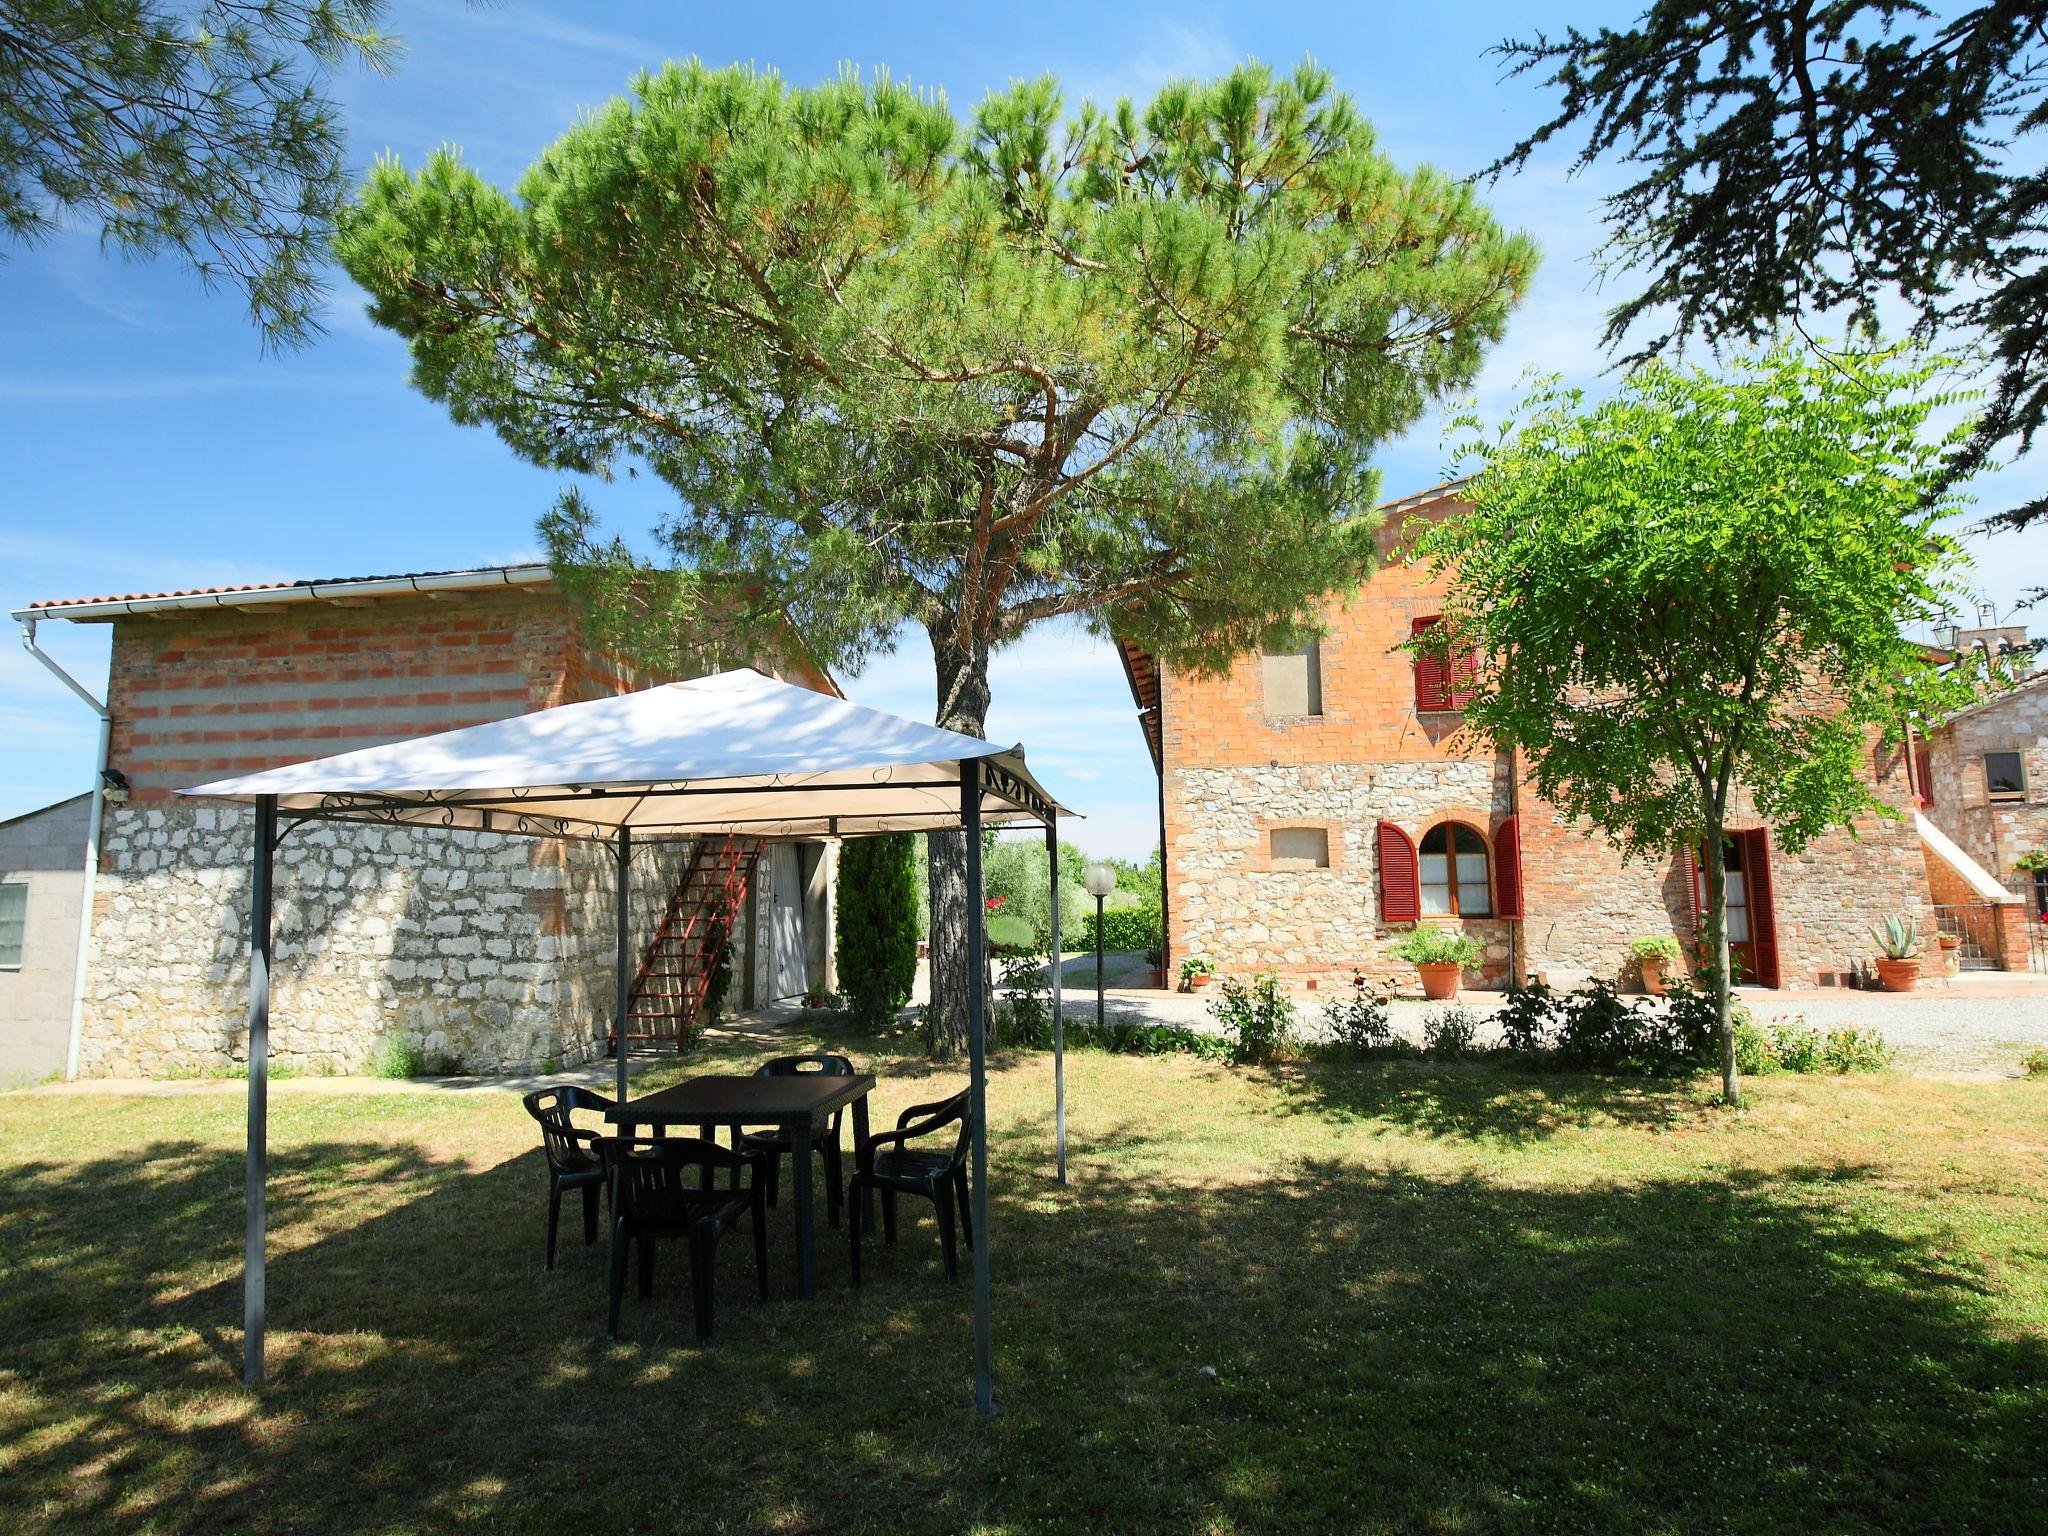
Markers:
point(1464, 679)
point(1400, 876)
point(1763, 921)
point(1507, 869)
point(1432, 690)
point(1695, 885)
point(1923, 775)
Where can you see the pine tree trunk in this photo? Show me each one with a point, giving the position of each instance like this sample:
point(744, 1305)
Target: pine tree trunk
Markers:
point(1715, 857)
point(963, 706)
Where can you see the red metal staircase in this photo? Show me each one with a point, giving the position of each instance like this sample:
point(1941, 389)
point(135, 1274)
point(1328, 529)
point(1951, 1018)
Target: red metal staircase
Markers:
point(667, 995)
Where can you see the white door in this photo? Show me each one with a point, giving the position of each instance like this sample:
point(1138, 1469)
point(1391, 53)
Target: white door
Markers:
point(788, 957)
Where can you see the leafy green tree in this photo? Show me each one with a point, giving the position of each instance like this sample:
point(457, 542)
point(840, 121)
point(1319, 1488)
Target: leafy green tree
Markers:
point(1698, 588)
point(877, 925)
point(1823, 155)
point(1123, 366)
point(201, 129)
point(1015, 869)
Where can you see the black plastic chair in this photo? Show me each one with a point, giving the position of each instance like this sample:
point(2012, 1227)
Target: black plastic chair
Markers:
point(773, 1146)
point(669, 1187)
point(889, 1163)
point(574, 1160)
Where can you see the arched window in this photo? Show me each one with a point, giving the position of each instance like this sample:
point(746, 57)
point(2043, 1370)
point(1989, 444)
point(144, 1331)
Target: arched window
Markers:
point(1454, 879)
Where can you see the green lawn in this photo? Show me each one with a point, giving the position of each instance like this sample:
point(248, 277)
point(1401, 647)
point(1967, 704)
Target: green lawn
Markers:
point(1344, 1298)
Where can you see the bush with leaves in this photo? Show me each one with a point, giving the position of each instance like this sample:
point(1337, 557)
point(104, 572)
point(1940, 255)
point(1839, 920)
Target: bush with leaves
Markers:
point(1124, 928)
point(1604, 1032)
point(1022, 1013)
point(877, 920)
point(1358, 1022)
point(1256, 1017)
point(1530, 1019)
point(396, 1056)
point(1449, 1033)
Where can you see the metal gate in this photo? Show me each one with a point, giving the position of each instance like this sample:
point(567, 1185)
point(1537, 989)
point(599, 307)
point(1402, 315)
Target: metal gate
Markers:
point(1974, 927)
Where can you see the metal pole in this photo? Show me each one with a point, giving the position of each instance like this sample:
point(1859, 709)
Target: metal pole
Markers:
point(977, 1059)
point(1098, 967)
point(1059, 1017)
point(257, 1162)
point(622, 979)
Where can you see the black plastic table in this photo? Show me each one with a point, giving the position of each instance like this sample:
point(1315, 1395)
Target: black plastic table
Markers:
point(800, 1104)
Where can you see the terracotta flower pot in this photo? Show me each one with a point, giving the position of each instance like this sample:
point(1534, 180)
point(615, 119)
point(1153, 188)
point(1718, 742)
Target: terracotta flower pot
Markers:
point(1899, 975)
point(1440, 982)
point(1202, 980)
point(1653, 974)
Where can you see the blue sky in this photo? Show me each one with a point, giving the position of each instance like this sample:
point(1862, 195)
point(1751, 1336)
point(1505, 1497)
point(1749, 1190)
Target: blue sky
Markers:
point(151, 445)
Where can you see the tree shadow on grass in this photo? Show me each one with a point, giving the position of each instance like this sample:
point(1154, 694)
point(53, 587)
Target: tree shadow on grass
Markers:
point(1482, 1100)
point(1338, 1348)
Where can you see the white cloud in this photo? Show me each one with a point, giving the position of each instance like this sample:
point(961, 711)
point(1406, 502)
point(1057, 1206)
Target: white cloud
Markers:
point(1169, 50)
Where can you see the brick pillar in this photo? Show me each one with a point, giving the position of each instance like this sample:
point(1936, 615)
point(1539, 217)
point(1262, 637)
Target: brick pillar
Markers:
point(2013, 917)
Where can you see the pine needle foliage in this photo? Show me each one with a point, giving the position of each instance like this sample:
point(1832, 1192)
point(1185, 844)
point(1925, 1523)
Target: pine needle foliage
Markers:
point(201, 129)
point(1118, 366)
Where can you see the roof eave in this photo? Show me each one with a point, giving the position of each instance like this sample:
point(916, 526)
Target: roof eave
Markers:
point(92, 610)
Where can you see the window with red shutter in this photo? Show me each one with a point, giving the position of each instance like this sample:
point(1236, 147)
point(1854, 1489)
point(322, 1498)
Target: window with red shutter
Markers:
point(1443, 683)
point(1432, 694)
point(1507, 868)
point(1400, 885)
point(1923, 775)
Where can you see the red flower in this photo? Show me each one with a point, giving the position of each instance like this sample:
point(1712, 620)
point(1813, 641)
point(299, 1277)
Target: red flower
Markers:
point(995, 903)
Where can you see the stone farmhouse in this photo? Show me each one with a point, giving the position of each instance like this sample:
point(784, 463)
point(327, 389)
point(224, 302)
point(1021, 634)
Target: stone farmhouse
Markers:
point(487, 952)
point(1316, 802)
point(1983, 777)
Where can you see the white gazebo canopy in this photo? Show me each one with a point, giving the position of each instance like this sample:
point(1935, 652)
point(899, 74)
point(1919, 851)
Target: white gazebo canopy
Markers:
point(735, 753)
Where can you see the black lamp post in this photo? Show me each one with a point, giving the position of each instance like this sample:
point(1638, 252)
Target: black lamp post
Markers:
point(1098, 880)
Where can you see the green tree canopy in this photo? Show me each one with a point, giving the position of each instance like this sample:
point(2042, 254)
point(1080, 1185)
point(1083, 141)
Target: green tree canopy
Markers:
point(1824, 155)
point(201, 129)
point(1125, 366)
point(1700, 585)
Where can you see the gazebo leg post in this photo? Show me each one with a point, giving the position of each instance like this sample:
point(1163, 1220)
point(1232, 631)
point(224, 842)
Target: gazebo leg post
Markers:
point(257, 1162)
point(1059, 1017)
point(622, 979)
point(977, 1059)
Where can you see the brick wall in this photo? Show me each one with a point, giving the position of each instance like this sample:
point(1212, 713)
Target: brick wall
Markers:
point(214, 693)
point(1232, 774)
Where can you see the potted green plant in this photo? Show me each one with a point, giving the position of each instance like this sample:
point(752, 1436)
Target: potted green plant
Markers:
point(1898, 959)
point(1440, 954)
point(1656, 956)
point(1195, 973)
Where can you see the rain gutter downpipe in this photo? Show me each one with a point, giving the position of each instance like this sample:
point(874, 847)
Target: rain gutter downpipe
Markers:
point(92, 841)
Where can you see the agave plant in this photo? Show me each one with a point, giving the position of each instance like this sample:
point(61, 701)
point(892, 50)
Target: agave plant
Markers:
point(1898, 939)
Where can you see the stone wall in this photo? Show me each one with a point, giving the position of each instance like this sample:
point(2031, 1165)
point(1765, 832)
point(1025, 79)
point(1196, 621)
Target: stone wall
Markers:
point(491, 953)
point(1993, 832)
point(1231, 905)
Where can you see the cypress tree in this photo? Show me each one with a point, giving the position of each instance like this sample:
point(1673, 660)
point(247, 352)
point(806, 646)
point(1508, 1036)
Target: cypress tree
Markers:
point(877, 925)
